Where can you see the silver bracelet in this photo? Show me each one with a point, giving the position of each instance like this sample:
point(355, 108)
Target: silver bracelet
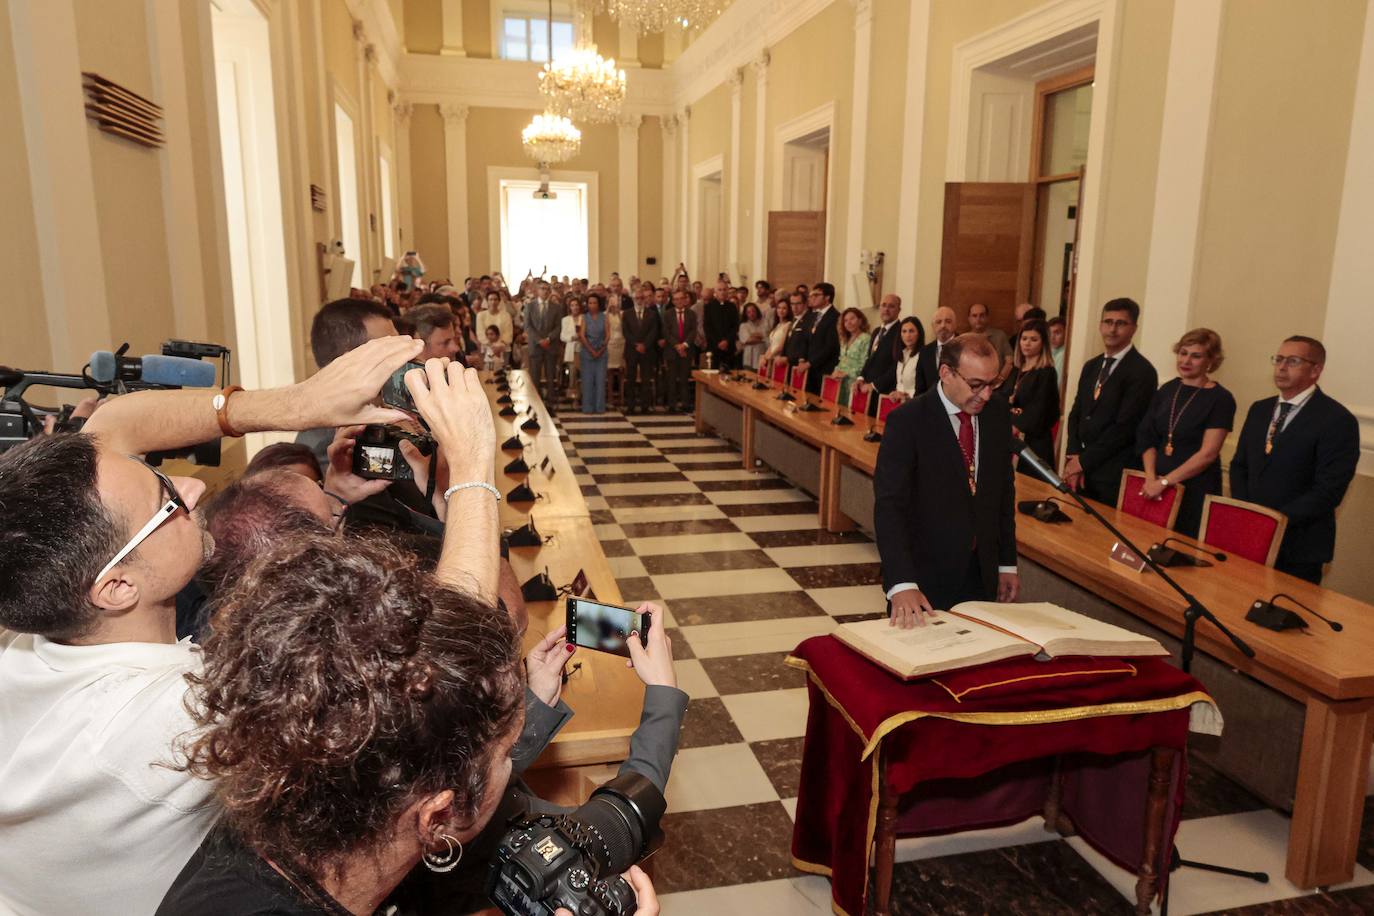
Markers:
point(475, 483)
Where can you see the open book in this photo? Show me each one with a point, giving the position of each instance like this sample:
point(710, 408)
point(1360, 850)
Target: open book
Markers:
point(977, 632)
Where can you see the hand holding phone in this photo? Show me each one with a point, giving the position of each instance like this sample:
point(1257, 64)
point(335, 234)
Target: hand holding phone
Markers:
point(652, 658)
point(606, 627)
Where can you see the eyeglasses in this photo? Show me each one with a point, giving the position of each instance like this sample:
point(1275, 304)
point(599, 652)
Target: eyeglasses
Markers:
point(169, 508)
point(977, 385)
point(1292, 362)
point(1116, 323)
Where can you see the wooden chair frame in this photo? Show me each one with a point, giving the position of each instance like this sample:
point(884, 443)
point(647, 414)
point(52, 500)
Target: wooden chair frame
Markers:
point(885, 399)
point(1130, 476)
point(838, 383)
point(1279, 529)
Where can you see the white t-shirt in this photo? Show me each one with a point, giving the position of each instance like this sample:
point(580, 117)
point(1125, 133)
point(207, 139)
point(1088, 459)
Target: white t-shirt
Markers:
point(88, 822)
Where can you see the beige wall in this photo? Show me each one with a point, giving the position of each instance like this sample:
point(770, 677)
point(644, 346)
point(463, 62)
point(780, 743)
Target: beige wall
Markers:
point(651, 199)
point(429, 187)
point(1285, 96)
point(883, 144)
point(424, 26)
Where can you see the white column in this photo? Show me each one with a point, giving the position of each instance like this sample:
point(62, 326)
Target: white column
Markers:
point(760, 259)
point(668, 124)
point(69, 274)
point(629, 47)
point(858, 147)
point(367, 157)
point(1184, 151)
point(453, 29)
point(628, 261)
point(913, 138)
point(404, 202)
point(732, 215)
point(684, 245)
point(1349, 326)
point(456, 177)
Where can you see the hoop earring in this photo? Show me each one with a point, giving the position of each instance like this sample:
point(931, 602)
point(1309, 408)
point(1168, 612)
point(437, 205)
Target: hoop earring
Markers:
point(446, 861)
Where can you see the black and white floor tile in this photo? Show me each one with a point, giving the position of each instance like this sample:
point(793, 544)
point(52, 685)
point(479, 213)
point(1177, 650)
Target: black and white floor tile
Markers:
point(737, 559)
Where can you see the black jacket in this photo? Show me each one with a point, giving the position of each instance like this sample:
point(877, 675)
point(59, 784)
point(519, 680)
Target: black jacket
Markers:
point(1102, 432)
point(646, 332)
point(1037, 395)
point(882, 356)
point(721, 324)
point(925, 517)
point(823, 349)
point(799, 339)
point(1306, 474)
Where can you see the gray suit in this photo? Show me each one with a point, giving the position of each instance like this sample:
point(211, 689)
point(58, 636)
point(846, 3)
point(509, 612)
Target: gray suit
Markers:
point(544, 321)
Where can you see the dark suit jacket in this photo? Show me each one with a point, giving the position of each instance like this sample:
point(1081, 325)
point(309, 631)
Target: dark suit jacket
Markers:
point(722, 324)
point(882, 357)
point(823, 348)
point(1038, 397)
point(670, 335)
point(645, 332)
point(926, 519)
point(1102, 432)
point(927, 367)
point(799, 339)
point(1305, 476)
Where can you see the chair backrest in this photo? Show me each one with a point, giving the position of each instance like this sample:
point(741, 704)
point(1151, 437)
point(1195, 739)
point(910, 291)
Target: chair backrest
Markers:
point(1162, 511)
point(1242, 528)
point(778, 371)
point(798, 379)
point(830, 389)
point(886, 404)
point(858, 400)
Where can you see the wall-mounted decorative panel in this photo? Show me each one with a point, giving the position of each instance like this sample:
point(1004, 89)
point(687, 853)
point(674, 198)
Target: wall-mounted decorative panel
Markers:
point(121, 111)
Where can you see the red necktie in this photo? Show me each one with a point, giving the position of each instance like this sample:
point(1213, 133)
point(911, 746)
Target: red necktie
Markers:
point(679, 325)
point(966, 446)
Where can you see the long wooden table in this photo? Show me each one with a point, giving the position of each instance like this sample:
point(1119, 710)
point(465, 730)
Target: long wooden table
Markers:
point(1311, 691)
point(606, 696)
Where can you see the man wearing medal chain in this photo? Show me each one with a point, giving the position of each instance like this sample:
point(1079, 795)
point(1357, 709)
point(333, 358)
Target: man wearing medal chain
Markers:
point(943, 492)
point(1181, 434)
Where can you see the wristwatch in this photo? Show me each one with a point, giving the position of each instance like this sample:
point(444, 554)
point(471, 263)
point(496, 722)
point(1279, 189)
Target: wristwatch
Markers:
point(1164, 480)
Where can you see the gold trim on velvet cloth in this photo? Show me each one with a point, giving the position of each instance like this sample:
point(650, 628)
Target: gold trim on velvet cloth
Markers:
point(959, 696)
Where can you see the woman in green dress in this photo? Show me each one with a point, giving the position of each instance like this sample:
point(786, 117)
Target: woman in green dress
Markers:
point(854, 338)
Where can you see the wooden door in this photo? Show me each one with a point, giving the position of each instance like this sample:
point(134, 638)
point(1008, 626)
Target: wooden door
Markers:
point(796, 247)
point(988, 248)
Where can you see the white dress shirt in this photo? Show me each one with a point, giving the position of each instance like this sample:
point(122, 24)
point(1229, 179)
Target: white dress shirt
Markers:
point(953, 410)
point(91, 822)
point(906, 375)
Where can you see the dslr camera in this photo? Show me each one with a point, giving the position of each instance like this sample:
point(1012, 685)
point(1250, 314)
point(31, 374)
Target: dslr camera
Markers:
point(377, 454)
point(574, 860)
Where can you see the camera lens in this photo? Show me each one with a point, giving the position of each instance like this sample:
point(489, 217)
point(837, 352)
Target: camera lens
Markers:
point(624, 815)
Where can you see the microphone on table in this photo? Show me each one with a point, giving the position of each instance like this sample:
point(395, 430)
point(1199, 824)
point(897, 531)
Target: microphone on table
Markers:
point(1044, 510)
point(1019, 447)
point(1166, 556)
point(1270, 615)
point(151, 369)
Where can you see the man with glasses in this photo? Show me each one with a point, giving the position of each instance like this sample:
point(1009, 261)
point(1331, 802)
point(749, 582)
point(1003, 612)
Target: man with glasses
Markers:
point(943, 492)
point(1297, 453)
point(1114, 392)
point(95, 545)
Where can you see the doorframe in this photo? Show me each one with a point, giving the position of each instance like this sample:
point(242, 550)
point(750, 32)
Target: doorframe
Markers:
point(343, 99)
point(703, 169)
point(495, 173)
point(822, 117)
point(1023, 32)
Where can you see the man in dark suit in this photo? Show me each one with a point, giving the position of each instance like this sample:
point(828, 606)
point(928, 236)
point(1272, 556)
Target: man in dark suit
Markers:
point(883, 346)
point(823, 342)
point(679, 330)
point(943, 494)
point(640, 326)
point(799, 334)
point(1297, 454)
point(721, 319)
point(1114, 392)
point(928, 360)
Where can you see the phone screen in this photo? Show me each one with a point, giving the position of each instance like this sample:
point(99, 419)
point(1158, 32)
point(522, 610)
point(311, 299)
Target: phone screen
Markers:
point(605, 627)
point(395, 393)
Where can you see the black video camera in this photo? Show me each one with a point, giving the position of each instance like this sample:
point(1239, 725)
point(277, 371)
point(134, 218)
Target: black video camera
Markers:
point(575, 860)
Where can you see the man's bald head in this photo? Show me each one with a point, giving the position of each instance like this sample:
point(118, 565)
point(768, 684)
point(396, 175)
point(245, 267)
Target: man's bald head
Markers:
point(943, 323)
point(890, 307)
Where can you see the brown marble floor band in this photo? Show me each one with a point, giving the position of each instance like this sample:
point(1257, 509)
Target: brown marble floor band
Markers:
point(841, 574)
point(749, 510)
point(686, 526)
point(781, 761)
point(594, 459)
point(657, 499)
point(752, 673)
point(742, 608)
point(808, 538)
point(723, 846)
point(661, 564)
point(642, 477)
point(708, 724)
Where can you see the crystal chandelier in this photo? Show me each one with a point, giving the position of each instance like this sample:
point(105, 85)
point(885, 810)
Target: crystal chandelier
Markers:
point(550, 138)
point(583, 85)
point(649, 16)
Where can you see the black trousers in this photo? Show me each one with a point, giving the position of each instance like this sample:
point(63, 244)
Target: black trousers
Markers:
point(1312, 572)
point(640, 374)
point(943, 596)
point(679, 370)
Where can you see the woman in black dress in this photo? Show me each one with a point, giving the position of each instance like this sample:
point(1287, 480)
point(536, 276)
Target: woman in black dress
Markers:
point(1181, 435)
point(1033, 391)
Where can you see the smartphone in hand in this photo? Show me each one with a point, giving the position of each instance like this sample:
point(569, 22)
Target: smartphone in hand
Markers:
point(605, 627)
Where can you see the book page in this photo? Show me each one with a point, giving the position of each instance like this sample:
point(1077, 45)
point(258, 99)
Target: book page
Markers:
point(945, 642)
point(1060, 631)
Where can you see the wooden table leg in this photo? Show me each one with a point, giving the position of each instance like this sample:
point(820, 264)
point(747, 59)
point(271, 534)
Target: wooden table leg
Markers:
point(884, 841)
point(832, 519)
point(1156, 818)
point(700, 388)
point(1329, 802)
point(746, 445)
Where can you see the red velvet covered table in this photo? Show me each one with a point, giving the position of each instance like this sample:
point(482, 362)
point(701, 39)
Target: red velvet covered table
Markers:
point(1092, 744)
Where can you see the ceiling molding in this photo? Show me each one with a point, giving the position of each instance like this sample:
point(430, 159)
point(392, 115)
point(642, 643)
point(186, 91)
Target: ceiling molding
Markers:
point(439, 79)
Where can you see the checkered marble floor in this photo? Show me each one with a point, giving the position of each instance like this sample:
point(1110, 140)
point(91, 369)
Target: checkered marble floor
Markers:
point(738, 560)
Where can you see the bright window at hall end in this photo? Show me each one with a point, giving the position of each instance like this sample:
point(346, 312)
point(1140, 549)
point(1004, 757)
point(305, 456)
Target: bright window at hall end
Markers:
point(525, 36)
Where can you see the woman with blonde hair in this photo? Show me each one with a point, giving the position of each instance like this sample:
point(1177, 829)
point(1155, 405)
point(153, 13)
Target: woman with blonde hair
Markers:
point(1180, 437)
point(1034, 390)
point(854, 337)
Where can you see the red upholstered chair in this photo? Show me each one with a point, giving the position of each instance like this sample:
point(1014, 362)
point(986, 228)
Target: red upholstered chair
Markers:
point(798, 378)
point(858, 401)
point(886, 404)
point(1242, 528)
point(777, 373)
point(830, 389)
point(1162, 511)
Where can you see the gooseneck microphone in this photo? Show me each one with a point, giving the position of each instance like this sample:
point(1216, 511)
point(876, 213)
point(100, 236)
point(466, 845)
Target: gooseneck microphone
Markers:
point(153, 369)
point(1214, 554)
point(1019, 447)
point(1268, 613)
